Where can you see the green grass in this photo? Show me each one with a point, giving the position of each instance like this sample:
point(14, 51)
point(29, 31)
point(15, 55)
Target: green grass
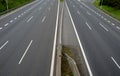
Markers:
point(65, 68)
point(13, 4)
point(109, 10)
point(61, 0)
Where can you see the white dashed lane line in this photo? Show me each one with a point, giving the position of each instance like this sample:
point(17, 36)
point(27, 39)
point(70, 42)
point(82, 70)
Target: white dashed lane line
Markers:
point(115, 62)
point(43, 18)
point(15, 18)
point(4, 45)
point(29, 19)
point(78, 12)
point(118, 27)
point(103, 26)
point(0, 28)
point(11, 21)
point(88, 26)
point(6, 24)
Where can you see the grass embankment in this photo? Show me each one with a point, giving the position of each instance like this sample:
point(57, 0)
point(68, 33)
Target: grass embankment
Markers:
point(12, 4)
point(66, 70)
point(109, 10)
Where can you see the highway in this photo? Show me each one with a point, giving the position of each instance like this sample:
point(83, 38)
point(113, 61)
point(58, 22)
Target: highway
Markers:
point(27, 38)
point(99, 37)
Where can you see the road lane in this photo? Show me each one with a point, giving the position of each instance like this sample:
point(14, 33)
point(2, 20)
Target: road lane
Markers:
point(101, 43)
point(37, 59)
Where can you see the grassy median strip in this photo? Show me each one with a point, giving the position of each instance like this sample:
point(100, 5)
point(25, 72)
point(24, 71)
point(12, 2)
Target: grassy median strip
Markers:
point(66, 70)
point(109, 10)
point(12, 4)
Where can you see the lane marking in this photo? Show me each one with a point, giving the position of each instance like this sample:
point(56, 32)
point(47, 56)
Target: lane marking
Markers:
point(48, 8)
point(25, 51)
point(103, 26)
point(73, 5)
point(102, 17)
point(11, 21)
point(88, 26)
point(15, 18)
point(19, 16)
point(85, 58)
point(39, 8)
point(0, 28)
point(115, 62)
point(22, 13)
point(29, 19)
point(118, 27)
point(113, 24)
point(105, 19)
point(43, 18)
point(88, 13)
point(108, 21)
point(54, 44)
point(4, 45)
point(6, 24)
point(78, 12)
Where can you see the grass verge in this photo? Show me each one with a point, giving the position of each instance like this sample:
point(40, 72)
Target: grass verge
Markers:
point(13, 4)
point(109, 10)
point(65, 68)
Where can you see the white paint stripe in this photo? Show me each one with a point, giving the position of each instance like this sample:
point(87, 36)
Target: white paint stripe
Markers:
point(86, 61)
point(115, 62)
point(103, 27)
point(11, 21)
point(73, 5)
point(25, 52)
point(105, 19)
point(49, 8)
point(88, 13)
point(88, 26)
point(29, 19)
point(43, 18)
point(113, 24)
point(54, 45)
point(4, 45)
point(6, 24)
point(15, 18)
point(22, 13)
point(0, 28)
point(19, 16)
point(118, 27)
point(108, 21)
point(102, 17)
point(39, 8)
point(78, 12)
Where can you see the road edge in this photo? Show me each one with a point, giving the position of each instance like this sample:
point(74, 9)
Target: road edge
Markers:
point(80, 44)
point(54, 44)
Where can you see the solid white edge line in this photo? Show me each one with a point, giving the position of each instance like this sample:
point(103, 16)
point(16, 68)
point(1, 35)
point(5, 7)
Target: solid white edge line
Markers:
point(88, 26)
point(54, 45)
point(25, 52)
point(29, 19)
point(115, 62)
point(4, 45)
point(43, 18)
point(103, 27)
point(85, 58)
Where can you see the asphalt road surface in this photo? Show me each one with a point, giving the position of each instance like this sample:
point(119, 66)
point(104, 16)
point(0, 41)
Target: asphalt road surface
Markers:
point(27, 39)
point(99, 35)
